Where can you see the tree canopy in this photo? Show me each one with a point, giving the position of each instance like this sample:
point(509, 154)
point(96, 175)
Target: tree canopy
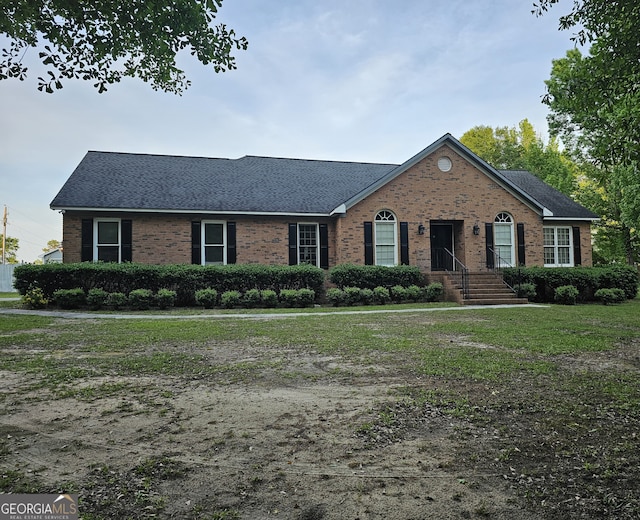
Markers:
point(521, 148)
point(594, 99)
point(104, 41)
point(10, 255)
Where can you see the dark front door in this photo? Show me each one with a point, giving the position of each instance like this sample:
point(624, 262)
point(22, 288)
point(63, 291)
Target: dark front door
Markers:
point(441, 241)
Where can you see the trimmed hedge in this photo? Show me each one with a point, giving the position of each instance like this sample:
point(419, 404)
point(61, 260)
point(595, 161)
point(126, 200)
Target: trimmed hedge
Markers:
point(372, 276)
point(587, 280)
point(381, 295)
point(184, 279)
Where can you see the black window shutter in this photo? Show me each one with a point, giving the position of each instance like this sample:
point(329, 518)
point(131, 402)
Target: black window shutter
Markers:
point(231, 242)
point(368, 243)
point(196, 243)
point(293, 244)
point(577, 253)
point(521, 247)
point(127, 241)
point(324, 246)
point(404, 243)
point(86, 248)
point(488, 231)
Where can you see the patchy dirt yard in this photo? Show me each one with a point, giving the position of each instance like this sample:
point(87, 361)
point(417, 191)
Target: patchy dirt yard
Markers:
point(283, 432)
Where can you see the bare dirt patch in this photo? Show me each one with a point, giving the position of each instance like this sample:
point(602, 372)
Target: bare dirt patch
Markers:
point(312, 438)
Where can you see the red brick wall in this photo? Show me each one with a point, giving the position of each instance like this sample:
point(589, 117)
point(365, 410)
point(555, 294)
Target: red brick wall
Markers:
point(423, 194)
point(166, 239)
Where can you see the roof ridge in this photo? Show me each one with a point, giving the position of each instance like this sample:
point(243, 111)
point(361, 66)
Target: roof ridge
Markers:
point(143, 154)
point(313, 160)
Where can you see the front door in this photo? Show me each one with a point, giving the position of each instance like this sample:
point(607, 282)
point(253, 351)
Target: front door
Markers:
point(441, 241)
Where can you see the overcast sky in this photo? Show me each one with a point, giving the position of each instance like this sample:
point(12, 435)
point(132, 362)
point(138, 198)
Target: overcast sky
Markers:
point(353, 80)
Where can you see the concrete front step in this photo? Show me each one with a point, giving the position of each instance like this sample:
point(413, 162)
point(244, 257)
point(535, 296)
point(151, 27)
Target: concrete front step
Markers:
point(487, 289)
point(495, 301)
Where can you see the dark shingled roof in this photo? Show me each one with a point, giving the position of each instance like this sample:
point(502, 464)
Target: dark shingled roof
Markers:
point(555, 201)
point(262, 185)
point(250, 184)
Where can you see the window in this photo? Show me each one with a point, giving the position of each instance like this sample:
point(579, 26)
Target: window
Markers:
point(107, 240)
point(386, 239)
point(214, 237)
point(308, 244)
point(558, 247)
point(503, 240)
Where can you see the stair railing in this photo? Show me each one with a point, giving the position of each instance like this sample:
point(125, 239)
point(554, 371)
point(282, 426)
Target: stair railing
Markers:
point(461, 271)
point(499, 263)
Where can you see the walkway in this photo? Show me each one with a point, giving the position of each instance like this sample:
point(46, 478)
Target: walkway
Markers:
point(258, 316)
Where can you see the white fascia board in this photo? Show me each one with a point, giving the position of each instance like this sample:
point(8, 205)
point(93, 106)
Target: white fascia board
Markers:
point(189, 211)
point(573, 219)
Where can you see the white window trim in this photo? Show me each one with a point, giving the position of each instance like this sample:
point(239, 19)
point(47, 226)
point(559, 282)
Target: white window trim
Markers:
point(395, 237)
point(512, 259)
point(203, 245)
point(96, 221)
point(317, 226)
point(556, 246)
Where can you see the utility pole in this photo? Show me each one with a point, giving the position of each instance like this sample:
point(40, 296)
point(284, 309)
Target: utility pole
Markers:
point(4, 235)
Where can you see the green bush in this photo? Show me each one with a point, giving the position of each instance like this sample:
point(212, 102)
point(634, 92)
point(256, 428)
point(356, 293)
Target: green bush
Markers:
point(230, 299)
point(117, 300)
point(336, 296)
point(433, 292)
point(566, 294)
point(269, 298)
point(69, 298)
point(305, 297)
point(352, 295)
point(609, 296)
point(371, 276)
point(97, 298)
point(166, 298)
point(526, 290)
point(398, 293)
point(34, 298)
point(381, 295)
point(288, 297)
point(251, 298)
point(414, 293)
point(207, 298)
point(366, 296)
point(141, 299)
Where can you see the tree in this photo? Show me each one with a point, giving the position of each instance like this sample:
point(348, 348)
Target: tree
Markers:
point(51, 245)
point(598, 129)
point(104, 41)
point(10, 255)
point(595, 106)
point(522, 148)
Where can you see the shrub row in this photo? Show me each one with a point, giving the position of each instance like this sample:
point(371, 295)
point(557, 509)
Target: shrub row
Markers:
point(372, 276)
point(381, 295)
point(587, 280)
point(253, 298)
point(184, 279)
point(143, 299)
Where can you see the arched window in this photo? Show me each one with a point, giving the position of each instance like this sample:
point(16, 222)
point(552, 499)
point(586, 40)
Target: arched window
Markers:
point(503, 240)
point(386, 238)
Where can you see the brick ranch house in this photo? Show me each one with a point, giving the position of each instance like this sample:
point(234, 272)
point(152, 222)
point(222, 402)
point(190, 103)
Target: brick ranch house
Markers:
point(443, 210)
